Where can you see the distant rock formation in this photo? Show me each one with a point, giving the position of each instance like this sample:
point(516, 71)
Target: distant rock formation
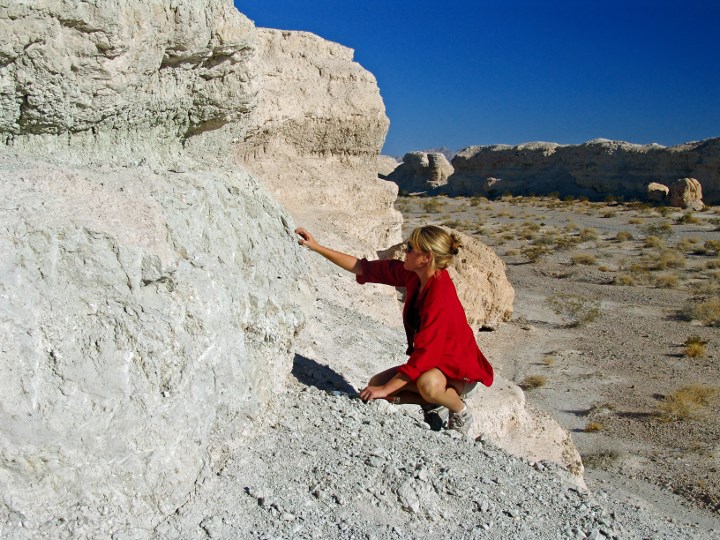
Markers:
point(594, 169)
point(686, 193)
point(386, 165)
point(421, 171)
point(657, 192)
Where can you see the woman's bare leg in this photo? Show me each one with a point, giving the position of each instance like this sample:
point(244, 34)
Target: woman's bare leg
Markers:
point(434, 387)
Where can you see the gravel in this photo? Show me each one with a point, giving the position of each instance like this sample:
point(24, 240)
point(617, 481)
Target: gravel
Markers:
point(330, 466)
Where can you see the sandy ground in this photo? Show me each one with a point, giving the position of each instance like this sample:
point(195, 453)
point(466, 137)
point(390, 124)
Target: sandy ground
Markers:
point(612, 380)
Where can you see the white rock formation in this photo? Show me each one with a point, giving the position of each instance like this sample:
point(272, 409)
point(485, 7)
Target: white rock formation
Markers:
point(151, 294)
point(657, 192)
point(596, 169)
point(315, 138)
point(422, 171)
point(386, 165)
point(686, 193)
point(146, 316)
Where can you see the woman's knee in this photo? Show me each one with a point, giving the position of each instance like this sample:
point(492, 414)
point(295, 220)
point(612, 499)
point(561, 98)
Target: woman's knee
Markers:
point(431, 383)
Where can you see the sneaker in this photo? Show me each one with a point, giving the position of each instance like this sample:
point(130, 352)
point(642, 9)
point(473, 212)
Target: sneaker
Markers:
point(436, 416)
point(460, 421)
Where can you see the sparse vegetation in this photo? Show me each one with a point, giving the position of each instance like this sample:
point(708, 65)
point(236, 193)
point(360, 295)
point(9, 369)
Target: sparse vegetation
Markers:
point(576, 310)
point(695, 347)
point(687, 403)
point(707, 312)
point(623, 236)
point(593, 426)
point(533, 381)
point(583, 258)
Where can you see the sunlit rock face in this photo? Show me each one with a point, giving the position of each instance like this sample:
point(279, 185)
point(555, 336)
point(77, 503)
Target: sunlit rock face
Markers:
point(595, 169)
point(144, 319)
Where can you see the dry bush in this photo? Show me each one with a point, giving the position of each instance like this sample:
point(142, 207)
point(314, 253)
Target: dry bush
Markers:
point(593, 426)
point(712, 264)
point(653, 242)
point(658, 229)
point(687, 218)
point(708, 312)
point(533, 381)
point(534, 253)
point(687, 403)
point(635, 221)
point(548, 361)
point(583, 258)
point(602, 459)
point(588, 234)
point(512, 253)
point(712, 247)
point(624, 279)
point(667, 281)
point(666, 259)
point(609, 214)
point(623, 236)
point(687, 244)
point(432, 206)
point(576, 310)
point(695, 347)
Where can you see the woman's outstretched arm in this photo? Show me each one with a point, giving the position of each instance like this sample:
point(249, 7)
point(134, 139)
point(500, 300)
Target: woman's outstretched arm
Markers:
point(343, 260)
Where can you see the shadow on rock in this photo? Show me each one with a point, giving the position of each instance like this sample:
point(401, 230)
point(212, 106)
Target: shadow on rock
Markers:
point(310, 373)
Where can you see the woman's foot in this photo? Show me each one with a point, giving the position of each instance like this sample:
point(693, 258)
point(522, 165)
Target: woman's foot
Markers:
point(460, 421)
point(436, 416)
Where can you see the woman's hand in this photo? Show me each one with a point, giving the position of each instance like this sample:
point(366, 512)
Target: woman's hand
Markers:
point(373, 392)
point(306, 239)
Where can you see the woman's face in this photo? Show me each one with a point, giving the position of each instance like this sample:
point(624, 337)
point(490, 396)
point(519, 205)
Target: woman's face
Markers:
point(414, 260)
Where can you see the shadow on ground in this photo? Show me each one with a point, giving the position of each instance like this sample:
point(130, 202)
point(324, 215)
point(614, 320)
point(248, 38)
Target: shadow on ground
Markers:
point(311, 373)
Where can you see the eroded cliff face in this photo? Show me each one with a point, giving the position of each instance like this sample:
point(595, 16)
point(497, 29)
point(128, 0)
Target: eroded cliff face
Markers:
point(315, 137)
point(149, 299)
point(595, 169)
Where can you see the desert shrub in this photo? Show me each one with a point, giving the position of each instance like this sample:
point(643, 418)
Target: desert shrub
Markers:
point(576, 310)
point(712, 264)
point(604, 268)
point(548, 361)
point(623, 236)
point(533, 381)
point(708, 312)
point(687, 403)
point(695, 347)
point(666, 259)
point(658, 229)
point(588, 234)
point(512, 253)
point(571, 226)
point(635, 221)
point(534, 253)
point(667, 281)
point(653, 242)
point(432, 206)
point(593, 426)
point(624, 279)
point(712, 247)
point(687, 244)
point(602, 459)
point(583, 258)
point(565, 242)
point(687, 218)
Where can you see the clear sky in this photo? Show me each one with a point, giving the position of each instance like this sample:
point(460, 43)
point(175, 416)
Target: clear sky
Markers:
point(461, 73)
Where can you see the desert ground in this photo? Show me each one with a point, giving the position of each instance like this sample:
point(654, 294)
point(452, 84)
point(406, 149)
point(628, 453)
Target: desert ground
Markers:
point(614, 332)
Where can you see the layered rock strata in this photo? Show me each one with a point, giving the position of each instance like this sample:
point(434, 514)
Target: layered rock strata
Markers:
point(315, 137)
point(595, 169)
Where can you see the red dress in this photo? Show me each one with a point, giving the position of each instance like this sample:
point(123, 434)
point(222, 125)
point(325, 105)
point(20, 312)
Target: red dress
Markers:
point(442, 337)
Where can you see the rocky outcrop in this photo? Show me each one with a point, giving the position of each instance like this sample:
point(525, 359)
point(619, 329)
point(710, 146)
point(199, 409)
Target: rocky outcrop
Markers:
point(657, 192)
point(144, 317)
point(595, 169)
point(386, 165)
point(152, 294)
point(422, 171)
point(315, 137)
point(686, 193)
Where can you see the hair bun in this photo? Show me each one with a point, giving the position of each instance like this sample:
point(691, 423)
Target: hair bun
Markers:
point(455, 244)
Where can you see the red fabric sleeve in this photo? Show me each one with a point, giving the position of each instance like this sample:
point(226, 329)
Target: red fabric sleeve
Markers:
point(386, 272)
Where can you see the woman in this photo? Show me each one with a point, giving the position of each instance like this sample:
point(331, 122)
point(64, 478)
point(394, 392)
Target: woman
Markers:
point(445, 362)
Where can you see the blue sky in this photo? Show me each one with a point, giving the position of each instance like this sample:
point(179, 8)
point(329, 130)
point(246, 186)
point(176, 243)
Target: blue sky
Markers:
point(461, 73)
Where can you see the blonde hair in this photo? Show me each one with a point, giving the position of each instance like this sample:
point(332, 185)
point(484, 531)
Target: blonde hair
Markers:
point(433, 239)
